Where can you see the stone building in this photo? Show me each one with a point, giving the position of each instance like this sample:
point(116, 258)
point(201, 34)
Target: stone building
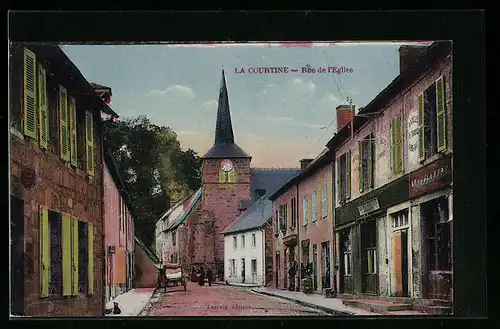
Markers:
point(393, 206)
point(229, 186)
point(56, 186)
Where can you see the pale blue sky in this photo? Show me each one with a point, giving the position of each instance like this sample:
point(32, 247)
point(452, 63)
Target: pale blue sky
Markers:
point(277, 118)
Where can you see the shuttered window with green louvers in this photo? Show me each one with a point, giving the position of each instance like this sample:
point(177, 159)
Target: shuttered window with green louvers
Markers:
point(30, 95)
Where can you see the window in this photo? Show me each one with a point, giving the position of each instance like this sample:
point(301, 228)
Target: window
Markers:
point(305, 209)
point(438, 232)
point(235, 242)
point(55, 284)
point(345, 245)
point(344, 176)
point(324, 200)
point(371, 256)
point(227, 176)
point(242, 241)
point(366, 162)
point(253, 240)
point(16, 87)
point(232, 268)
point(83, 258)
point(400, 219)
point(314, 206)
point(432, 119)
point(396, 144)
point(293, 206)
point(283, 217)
point(276, 223)
point(174, 240)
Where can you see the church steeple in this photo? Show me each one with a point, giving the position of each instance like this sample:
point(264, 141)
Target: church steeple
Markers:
point(223, 127)
point(224, 145)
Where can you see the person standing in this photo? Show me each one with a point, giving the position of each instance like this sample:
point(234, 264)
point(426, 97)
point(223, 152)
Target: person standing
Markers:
point(210, 276)
point(201, 278)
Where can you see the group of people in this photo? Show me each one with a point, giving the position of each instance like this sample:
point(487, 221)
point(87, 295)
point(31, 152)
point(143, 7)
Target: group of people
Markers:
point(201, 276)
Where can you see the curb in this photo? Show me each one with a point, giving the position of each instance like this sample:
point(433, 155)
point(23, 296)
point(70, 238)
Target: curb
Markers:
point(147, 303)
point(322, 308)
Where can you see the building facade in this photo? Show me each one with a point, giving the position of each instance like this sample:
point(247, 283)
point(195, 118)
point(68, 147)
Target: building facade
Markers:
point(56, 186)
point(245, 246)
point(119, 233)
point(146, 264)
point(393, 213)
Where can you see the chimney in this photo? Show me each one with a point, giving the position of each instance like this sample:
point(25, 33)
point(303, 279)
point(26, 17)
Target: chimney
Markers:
point(408, 55)
point(304, 163)
point(345, 113)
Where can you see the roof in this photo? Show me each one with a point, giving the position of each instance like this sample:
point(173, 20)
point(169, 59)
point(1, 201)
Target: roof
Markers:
point(253, 218)
point(437, 50)
point(74, 81)
point(151, 255)
point(224, 145)
point(178, 204)
point(270, 179)
point(182, 217)
point(319, 162)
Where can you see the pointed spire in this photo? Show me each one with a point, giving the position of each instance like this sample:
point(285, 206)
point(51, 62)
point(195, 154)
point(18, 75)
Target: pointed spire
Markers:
point(224, 127)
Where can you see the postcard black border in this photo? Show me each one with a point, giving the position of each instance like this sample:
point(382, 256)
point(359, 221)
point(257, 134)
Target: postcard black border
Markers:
point(464, 28)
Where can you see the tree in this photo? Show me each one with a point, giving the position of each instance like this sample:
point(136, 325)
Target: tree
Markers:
point(154, 168)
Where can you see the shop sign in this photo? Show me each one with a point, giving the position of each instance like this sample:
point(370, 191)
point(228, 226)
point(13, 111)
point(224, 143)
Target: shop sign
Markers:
point(369, 206)
point(431, 177)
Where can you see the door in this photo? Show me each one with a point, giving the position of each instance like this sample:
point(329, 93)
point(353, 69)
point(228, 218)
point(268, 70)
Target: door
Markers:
point(369, 258)
point(17, 256)
point(254, 271)
point(278, 264)
point(285, 270)
point(315, 266)
point(346, 279)
point(325, 264)
point(243, 270)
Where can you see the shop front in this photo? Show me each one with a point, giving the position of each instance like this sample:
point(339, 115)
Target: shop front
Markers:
point(361, 250)
point(431, 193)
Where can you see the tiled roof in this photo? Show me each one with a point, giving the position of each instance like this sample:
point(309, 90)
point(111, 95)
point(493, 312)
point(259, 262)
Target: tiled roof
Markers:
point(183, 216)
point(226, 151)
point(270, 180)
point(253, 218)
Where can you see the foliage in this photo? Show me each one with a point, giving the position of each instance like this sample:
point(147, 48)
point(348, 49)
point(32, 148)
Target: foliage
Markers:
point(154, 168)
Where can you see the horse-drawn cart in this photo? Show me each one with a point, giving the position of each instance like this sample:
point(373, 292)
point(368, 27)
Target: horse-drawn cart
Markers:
point(173, 273)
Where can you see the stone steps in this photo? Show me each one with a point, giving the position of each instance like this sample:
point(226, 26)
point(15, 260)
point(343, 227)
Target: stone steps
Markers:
point(424, 307)
point(377, 306)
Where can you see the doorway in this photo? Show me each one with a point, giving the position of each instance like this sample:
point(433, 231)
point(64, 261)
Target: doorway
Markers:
point(346, 279)
point(254, 271)
point(325, 265)
point(285, 270)
point(243, 270)
point(315, 266)
point(278, 264)
point(369, 264)
point(17, 255)
point(400, 225)
point(404, 261)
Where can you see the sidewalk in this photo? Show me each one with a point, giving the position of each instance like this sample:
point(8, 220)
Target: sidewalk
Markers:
point(133, 302)
point(329, 305)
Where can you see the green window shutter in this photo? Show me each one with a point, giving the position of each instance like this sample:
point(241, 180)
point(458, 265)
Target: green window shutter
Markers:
point(421, 123)
point(339, 181)
point(89, 127)
point(370, 143)
point(360, 166)
point(441, 115)
point(348, 159)
point(30, 101)
point(66, 254)
point(222, 176)
point(72, 131)
point(324, 202)
point(63, 123)
point(74, 253)
point(44, 252)
point(43, 113)
point(91, 258)
point(231, 176)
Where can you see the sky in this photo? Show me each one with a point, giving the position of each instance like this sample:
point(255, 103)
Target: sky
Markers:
point(277, 118)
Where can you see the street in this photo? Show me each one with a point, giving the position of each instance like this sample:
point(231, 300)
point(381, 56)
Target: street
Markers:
point(221, 300)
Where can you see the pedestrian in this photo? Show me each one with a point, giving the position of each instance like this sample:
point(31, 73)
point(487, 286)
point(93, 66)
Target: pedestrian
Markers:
point(210, 276)
point(201, 278)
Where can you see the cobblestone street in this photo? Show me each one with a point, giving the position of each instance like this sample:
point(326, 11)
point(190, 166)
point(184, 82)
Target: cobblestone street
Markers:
point(220, 300)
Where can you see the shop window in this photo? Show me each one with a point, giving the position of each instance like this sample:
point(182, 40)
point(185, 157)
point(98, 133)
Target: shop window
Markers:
point(438, 234)
point(345, 244)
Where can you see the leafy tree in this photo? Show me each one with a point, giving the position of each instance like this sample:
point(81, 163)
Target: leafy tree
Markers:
point(154, 168)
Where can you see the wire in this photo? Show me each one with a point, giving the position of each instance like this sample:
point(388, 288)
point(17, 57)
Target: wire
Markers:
point(331, 122)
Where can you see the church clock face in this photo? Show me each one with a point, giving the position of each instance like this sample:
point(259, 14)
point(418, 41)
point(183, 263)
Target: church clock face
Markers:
point(226, 165)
